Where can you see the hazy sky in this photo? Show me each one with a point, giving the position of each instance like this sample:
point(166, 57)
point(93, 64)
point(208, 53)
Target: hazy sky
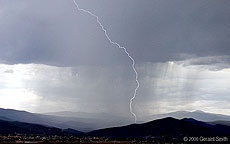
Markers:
point(54, 57)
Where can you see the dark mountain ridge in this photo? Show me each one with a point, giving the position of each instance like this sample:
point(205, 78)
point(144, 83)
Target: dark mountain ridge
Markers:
point(167, 127)
point(14, 127)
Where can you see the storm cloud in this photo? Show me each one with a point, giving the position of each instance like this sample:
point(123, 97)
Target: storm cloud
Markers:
point(58, 58)
point(54, 32)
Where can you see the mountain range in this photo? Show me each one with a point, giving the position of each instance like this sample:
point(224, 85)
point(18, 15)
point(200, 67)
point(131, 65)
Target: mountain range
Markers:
point(83, 123)
point(87, 122)
point(22, 122)
point(198, 115)
point(162, 129)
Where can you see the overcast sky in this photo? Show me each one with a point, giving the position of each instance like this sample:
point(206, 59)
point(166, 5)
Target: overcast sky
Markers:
point(54, 57)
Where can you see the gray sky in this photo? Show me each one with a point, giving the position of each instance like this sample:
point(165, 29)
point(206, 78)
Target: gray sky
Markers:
point(55, 58)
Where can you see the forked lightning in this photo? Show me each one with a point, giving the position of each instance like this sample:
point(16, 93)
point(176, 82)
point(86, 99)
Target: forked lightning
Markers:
point(121, 47)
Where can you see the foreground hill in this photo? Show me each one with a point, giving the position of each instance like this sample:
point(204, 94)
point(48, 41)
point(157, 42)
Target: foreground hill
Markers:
point(165, 128)
point(10, 127)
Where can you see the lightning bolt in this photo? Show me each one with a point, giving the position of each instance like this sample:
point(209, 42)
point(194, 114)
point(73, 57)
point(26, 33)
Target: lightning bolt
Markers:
point(120, 47)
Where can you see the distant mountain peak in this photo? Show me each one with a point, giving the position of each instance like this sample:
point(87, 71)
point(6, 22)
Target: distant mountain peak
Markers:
point(199, 111)
point(196, 114)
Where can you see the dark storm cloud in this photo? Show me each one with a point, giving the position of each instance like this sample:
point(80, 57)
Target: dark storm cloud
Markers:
point(171, 42)
point(54, 32)
point(160, 30)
